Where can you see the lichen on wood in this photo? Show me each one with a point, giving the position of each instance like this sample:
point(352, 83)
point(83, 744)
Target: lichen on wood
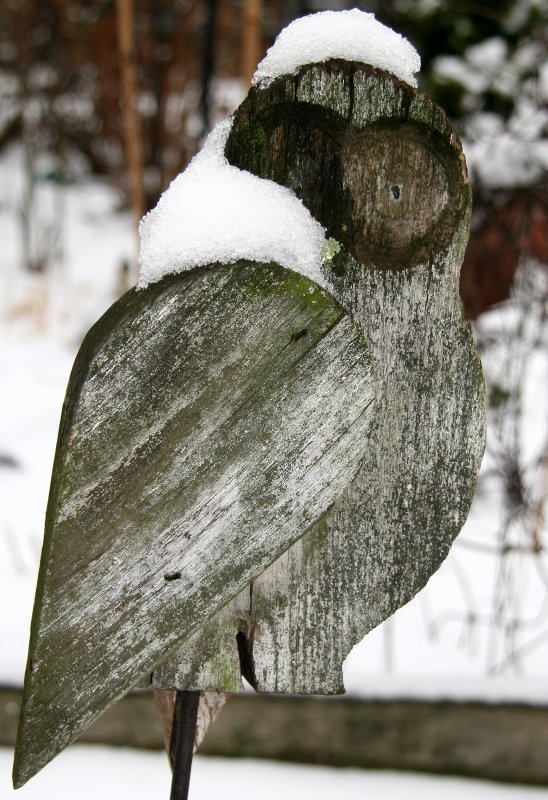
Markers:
point(209, 421)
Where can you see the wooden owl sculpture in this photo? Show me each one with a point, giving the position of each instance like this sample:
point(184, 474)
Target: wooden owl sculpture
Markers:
point(252, 472)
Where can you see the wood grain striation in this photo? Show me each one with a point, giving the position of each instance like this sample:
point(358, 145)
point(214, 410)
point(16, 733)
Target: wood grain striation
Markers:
point(200, 438)
point(379, 165)
point(251, 473)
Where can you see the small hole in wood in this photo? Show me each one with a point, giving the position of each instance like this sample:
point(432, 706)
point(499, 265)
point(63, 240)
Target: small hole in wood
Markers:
point(172, 576)
point(298, 335)
point(396, 191)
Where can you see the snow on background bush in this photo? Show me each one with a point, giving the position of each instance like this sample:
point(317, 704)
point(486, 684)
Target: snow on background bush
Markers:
point(502, 153)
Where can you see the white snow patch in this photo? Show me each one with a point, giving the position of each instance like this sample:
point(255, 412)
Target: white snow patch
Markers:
point(88, 772)
point(506, 156)
point(506, 162)
point(438, 688)
point(351, 35)
point(214, 212)
point(452, 69)
point(490, 55)
point(543, 81)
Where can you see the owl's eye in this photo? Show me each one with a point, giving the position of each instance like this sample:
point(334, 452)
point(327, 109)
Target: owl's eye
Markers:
point(391, 192)
point(397, 190)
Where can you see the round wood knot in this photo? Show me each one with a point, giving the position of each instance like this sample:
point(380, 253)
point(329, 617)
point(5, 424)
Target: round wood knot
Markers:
point(388, 185)
point(396, 190)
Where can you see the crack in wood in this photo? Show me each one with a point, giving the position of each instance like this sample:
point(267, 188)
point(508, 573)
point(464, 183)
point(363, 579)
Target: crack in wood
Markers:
point(244, 640)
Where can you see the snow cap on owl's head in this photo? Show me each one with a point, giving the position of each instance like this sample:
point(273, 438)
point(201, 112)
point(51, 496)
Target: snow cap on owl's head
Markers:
point(349, 35)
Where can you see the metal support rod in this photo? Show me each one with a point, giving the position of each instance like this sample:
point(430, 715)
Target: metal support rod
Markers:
point(182, 742)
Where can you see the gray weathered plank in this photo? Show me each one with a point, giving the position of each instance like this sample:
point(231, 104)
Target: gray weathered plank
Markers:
point(209, 421)
point(379, 165)
point(501, 742)
point(496, 742)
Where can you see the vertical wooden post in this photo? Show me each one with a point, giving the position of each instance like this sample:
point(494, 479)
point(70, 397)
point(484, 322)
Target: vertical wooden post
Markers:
point(251, 39)
point(128, 75)
point(208, 65)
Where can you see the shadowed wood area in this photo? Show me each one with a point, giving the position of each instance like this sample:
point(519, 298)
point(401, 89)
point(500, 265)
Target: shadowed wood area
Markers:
point(498, 742)
point(211, 406)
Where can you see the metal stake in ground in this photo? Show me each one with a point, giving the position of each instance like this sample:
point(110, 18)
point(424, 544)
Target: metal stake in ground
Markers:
point(181, 748)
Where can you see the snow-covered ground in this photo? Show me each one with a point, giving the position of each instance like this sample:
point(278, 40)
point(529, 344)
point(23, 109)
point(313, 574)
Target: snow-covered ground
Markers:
point(91, 772)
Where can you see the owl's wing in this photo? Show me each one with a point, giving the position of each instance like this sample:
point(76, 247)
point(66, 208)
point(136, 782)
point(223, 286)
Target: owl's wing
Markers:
point(209, 421)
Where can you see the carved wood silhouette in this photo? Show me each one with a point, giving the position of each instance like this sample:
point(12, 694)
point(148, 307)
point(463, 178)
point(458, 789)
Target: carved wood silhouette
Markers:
point(251, 472)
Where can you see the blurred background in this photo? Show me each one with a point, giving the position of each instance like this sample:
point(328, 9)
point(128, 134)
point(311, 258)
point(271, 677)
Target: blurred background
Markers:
point(102, 104)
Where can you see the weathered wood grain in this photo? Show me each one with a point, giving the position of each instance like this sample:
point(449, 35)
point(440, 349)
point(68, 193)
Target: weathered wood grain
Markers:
point(209, 421)
point(405, 425)
point(379, 165)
